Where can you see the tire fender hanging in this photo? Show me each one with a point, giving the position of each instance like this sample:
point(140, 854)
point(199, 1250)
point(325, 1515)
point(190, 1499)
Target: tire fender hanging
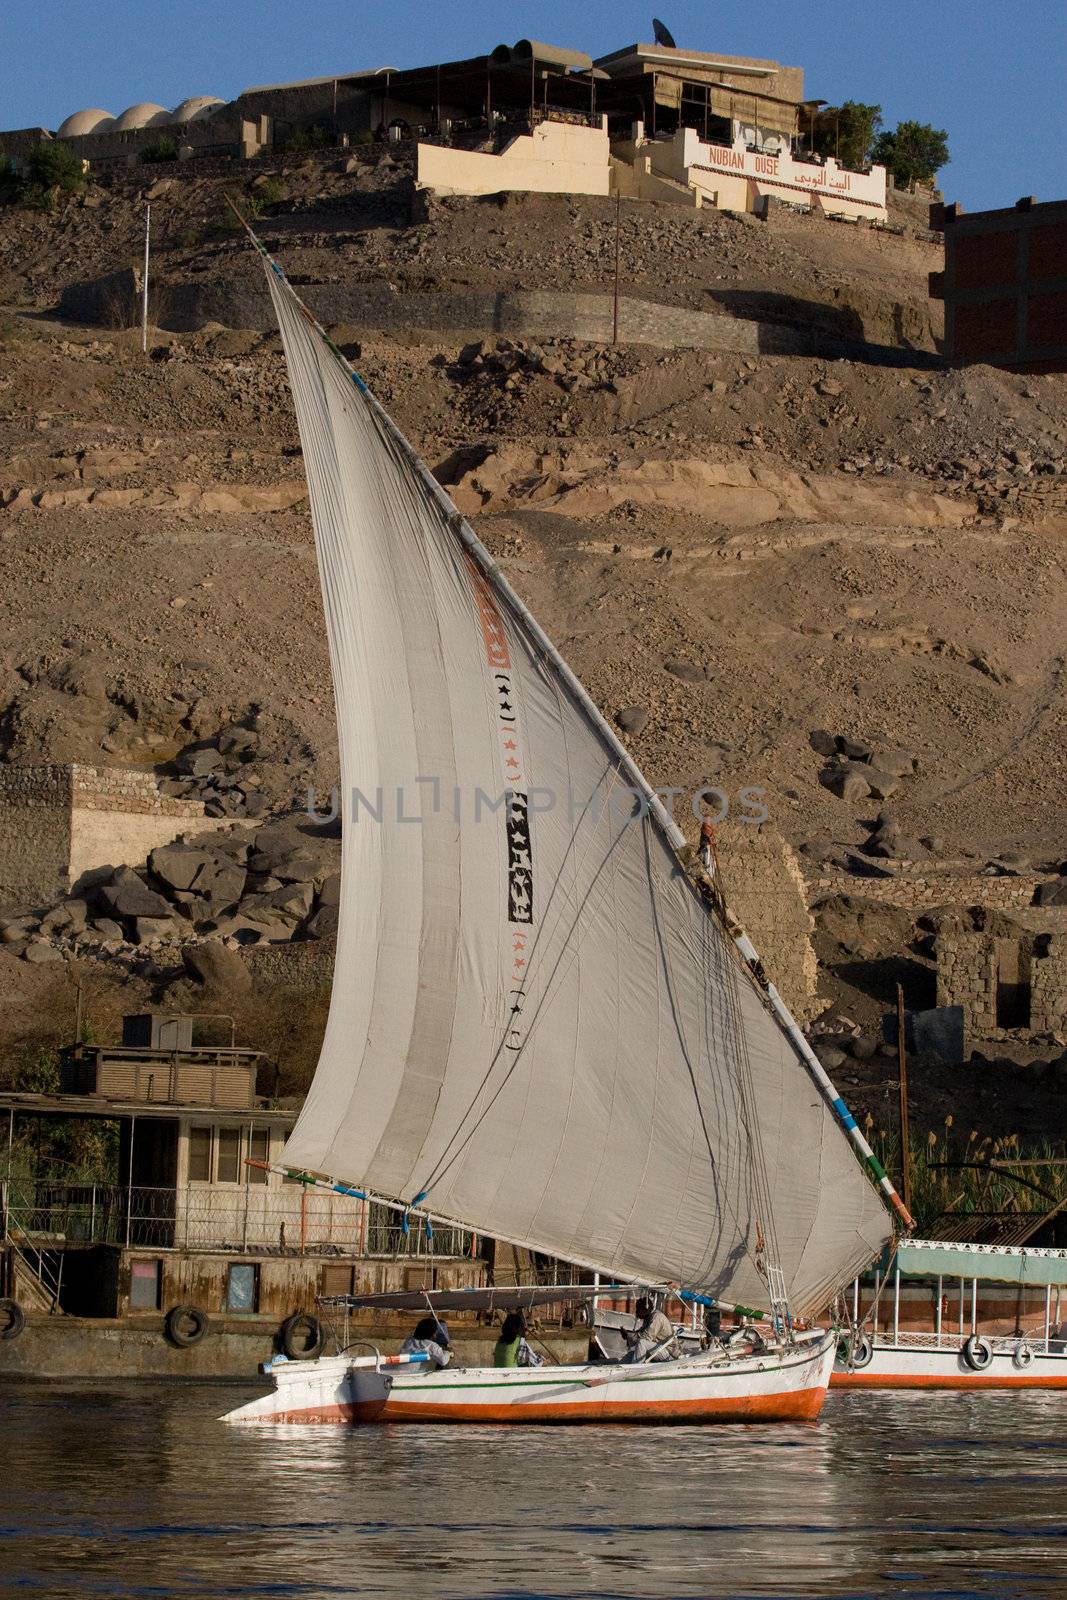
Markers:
point(1022, 1355)
point(302, 1337)
point(12, 1319)
point(185, 1326)
point(977, 1353)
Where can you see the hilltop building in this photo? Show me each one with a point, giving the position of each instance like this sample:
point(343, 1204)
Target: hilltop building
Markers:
point(1005, 285)
point(645, 120)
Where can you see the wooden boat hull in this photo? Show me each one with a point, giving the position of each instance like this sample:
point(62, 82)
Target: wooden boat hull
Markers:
point(918, 1365)
point(768, 1386)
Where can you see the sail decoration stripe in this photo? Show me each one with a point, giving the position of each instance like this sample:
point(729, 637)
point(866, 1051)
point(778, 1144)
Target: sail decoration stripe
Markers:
point(535, 1024)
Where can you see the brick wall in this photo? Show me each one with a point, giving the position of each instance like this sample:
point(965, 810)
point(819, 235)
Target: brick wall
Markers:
point(1005, 285)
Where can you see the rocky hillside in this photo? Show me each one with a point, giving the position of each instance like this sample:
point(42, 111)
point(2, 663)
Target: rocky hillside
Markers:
point(841, 581)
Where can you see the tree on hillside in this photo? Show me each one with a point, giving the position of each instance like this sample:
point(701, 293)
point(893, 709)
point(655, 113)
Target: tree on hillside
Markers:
point(52, 169)
point(848, 131)
point(913, 152)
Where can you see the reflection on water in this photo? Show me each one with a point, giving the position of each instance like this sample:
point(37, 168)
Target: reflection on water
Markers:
point(137, 1490)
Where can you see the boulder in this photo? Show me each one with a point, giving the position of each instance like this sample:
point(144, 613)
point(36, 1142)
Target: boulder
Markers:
point(300, 867)
point(147, 930)
point(632, 719)
point(199, 763)
point(236, 741)
point(830, 1056)
point(853, 749)
point(901, 763)
point(863, 1047)
point(221, 884)
point(291, 903)
point(686, 671)
point(323, 925)
point(883, 785)
point(38, 951)
point(846, 782)
point(177, 865)
point(13, 930)
point(330, 893)
point(822, 742)
point(219, 969)
point(1052, 893)
point(127, 895)
point(111, 932)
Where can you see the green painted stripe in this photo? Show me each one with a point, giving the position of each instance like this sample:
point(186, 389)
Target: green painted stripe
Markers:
point(877, 1168)
point(720, 1370)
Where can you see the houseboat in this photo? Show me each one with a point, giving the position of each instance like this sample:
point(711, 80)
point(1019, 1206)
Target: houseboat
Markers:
point(946, 1314)
point(188, 1255)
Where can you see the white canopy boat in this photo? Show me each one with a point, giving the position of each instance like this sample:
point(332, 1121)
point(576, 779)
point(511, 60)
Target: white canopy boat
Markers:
point(542, 1026)
point(953, 1315)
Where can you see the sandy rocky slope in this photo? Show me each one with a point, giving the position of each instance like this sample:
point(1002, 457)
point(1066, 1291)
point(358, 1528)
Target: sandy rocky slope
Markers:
point(839, 580)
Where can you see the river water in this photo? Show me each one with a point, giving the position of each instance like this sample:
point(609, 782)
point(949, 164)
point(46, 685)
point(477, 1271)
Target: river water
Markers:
point(137, 1490)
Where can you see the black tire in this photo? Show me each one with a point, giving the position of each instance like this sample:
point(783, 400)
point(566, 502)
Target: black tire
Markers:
point(12, 1319)
point(302, 1337)
point(185, 1326)
point(1022, 1356)
point(977, 1353)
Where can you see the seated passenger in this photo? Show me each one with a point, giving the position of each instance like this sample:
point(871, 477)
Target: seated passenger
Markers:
point(431, 1338)
point(654, 1338)
point(511, 1349)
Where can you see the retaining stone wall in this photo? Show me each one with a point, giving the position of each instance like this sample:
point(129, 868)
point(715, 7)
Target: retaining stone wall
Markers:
point(764, 888)
point(35, 810)
point(920, 892)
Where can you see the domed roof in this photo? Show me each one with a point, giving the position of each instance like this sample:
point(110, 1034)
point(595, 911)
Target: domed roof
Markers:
point(81, 122)
point(196, 107)
point(145, 115)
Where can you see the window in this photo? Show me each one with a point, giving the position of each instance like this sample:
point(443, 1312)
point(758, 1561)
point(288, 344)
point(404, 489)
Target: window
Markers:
point(258, 1150)
point(228, 1161)
point(144, 1285)
point(242, 1287)
point(200, 1155)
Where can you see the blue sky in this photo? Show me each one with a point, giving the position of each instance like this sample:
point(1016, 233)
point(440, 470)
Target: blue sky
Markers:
point(993, 74)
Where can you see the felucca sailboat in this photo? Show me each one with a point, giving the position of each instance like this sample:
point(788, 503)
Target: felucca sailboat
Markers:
point(541, 1027)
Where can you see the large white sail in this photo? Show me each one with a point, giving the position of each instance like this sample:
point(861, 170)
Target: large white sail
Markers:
point(536, 1028)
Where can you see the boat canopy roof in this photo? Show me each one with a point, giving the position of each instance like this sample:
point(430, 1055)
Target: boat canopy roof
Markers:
point(510, 1297)
point(940, 1258)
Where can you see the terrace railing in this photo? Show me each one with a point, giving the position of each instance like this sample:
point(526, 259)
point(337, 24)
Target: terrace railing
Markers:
point(290, 1219)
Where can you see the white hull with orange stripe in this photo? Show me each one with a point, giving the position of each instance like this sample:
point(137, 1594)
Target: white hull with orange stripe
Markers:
point(776, 1384)
point(918, 1365)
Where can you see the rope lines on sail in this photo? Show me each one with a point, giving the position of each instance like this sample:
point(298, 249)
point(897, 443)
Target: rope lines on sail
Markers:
point(457, 1144)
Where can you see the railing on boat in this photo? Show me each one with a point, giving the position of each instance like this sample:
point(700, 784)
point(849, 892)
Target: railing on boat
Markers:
point(1046, 1337)
point(231, 1218)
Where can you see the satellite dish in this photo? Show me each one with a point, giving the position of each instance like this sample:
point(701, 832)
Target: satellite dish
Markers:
point(663, 34)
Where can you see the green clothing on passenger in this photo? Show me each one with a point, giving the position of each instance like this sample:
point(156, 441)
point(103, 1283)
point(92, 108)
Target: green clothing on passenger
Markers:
point(506, 1353)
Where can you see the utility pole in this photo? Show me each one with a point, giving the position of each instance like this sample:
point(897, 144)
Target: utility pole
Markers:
point(615, 305)
point(144, 280)
point(902, 1062)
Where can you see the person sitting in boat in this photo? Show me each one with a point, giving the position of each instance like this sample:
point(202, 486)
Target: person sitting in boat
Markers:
point(511, 1349)
point(430, 1337)
point(654, 1338)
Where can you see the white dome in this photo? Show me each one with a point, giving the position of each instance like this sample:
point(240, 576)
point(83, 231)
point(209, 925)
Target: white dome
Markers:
point(82, 122)
point(145, 115)
point(196, 108)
